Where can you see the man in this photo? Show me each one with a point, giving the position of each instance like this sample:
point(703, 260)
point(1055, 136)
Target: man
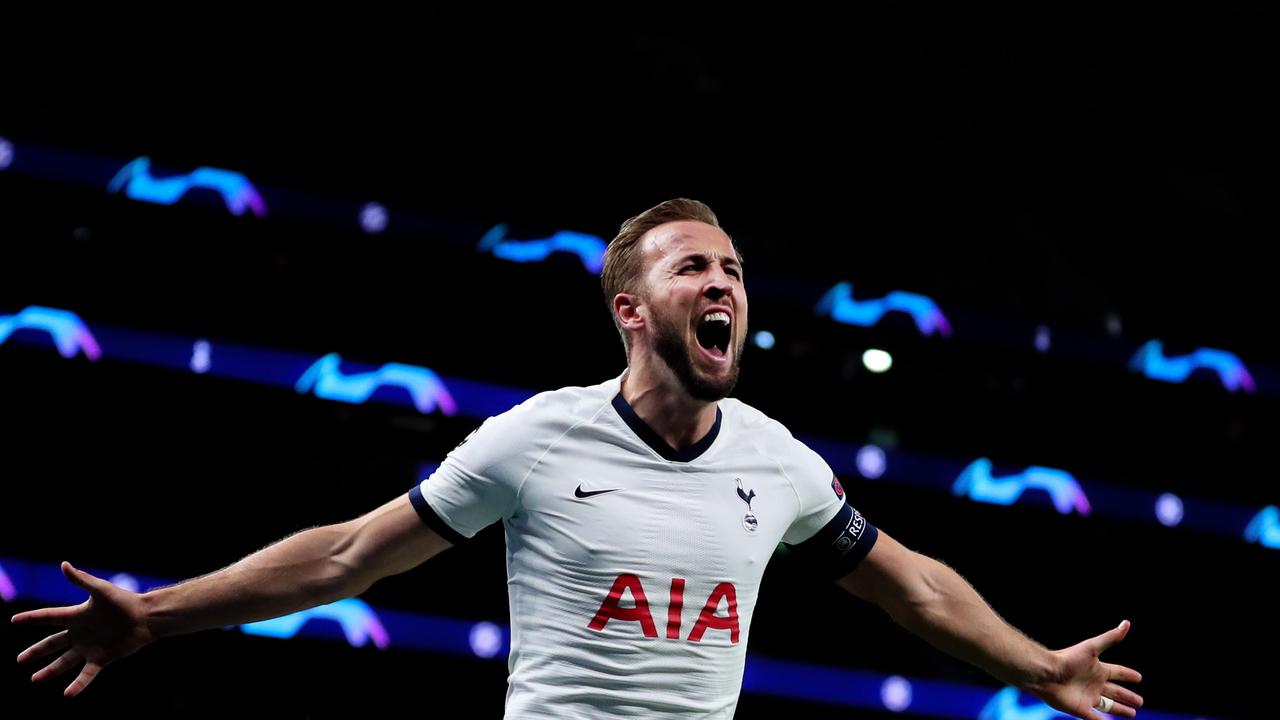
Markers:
point(639, 516)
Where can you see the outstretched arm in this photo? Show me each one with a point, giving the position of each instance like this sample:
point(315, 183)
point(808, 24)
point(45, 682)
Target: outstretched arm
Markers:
point(934, 602)
point(310, 568)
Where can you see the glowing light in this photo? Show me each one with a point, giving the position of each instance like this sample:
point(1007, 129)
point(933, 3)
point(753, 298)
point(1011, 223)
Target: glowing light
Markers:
point(877, 361)
point(1169, 510)
point(764, 340)
point(588, 248)
point(200, 356)
point(1264, 529)
point(871, 462)
point(238, 194)
point(6, 153)
point(1043, 339)
point(485, 639)
point(373, 218)
point(839, 305)
point(329, 382)
point(359, 623)
point(977, 483)
point(895, 693)
point(68, 331)
point(1151, 362)
point(8, 591)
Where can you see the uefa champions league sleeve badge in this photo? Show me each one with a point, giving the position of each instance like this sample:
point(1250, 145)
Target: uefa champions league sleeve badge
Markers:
point(749, 520)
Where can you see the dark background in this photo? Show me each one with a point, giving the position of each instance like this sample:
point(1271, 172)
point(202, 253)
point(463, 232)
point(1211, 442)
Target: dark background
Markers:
point(1031, 165)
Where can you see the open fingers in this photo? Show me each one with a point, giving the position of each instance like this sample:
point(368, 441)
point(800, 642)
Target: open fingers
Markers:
point(57, 667)
point(45, 616)
point(53, 643)
point(1120, 673)
point(84, 579)
point(1111, 637)
point(1122, 695)
point(86, 676)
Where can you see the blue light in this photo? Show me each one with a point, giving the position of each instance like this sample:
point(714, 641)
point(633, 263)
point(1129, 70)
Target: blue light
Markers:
point(6, 153)
point(977, 483)
point(373, 218)
point(8, 591)
point(486, 640)
point(358, 621)
point(871, 462)
point(68, 331)
point(1169, 510)
point(1151, 362)
point(329, 382)
point(589, 248)
point(200, 357)
point(238, 194)
point(1264, 529)
point(1008, 705)
point(895, 693)
point(764, 340)
point(839, 305)
point(1043, 339)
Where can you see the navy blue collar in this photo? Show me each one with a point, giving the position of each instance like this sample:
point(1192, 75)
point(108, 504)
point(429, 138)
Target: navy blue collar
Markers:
point(655, 441)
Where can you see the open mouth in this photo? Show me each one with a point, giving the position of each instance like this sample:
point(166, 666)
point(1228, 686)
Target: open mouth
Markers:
point(713, 333)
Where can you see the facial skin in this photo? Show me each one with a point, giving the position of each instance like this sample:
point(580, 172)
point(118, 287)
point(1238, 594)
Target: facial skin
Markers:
point(691, 268)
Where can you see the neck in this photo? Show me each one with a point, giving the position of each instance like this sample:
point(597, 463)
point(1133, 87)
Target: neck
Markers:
point(658, 397)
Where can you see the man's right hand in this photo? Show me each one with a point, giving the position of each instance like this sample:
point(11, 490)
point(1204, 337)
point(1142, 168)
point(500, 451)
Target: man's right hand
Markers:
point(107, 627)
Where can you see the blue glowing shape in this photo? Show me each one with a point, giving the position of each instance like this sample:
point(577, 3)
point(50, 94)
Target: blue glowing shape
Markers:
point(1150, 361)
point(588, 248)
point(1264, 529)
point(426, 388)
point(66, 328)
point(1007, 705)
point(838, 303)
point(8, 592)
point(236, 190)
point(359, 623)
point(977, 483)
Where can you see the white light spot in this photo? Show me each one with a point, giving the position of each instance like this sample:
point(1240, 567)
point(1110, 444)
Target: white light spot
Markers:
point(125, 581)
point(1042, 339)
point(895, 693)
point(486, 639)
point(1114, 328)
point(6, 153)
point(877, 361)
point(871, 462)
point(1169, 510)
point(200, 360)
point(373, 218)
point(764, 340)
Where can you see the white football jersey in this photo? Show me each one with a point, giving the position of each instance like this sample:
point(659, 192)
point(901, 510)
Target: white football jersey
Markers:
point(633, 568)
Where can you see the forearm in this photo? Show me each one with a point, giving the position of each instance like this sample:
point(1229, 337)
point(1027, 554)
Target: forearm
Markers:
point(301, 571)
point(950, 614)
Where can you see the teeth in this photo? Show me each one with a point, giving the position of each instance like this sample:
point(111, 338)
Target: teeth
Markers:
point(720, 317)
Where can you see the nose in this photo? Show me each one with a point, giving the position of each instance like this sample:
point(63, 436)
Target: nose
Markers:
point(719, 284)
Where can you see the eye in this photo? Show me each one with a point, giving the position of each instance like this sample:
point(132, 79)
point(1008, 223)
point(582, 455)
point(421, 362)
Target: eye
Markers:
point(734, 272)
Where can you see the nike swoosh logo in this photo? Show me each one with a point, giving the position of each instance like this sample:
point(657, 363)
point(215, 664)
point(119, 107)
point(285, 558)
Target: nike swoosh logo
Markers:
point(579, 492)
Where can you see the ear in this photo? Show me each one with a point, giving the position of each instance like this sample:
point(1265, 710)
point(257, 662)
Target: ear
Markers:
point(629, 310)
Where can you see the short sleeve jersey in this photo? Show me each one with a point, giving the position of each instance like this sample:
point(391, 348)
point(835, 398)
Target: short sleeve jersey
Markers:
point(633, 568)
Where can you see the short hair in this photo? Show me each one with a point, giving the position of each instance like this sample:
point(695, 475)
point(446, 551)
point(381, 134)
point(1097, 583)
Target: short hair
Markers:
point(623, 260)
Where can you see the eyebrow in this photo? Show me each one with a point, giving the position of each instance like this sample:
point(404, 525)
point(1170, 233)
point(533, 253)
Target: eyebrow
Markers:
point(724, 260)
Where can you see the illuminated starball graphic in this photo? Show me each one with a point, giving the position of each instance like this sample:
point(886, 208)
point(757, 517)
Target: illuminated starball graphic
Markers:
point(326, 379)
point(1151, 361)
point(358, 621)
point(68, 332)
point(138, 182)
point(977, 482)
point(839, 304)
point(588, 248)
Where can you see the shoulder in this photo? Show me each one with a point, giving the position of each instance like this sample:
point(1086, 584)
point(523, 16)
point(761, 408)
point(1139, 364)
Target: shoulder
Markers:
point(769, 437)
point(546, 415)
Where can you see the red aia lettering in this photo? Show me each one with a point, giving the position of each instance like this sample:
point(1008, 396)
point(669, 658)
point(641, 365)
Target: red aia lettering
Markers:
point(611, 609)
